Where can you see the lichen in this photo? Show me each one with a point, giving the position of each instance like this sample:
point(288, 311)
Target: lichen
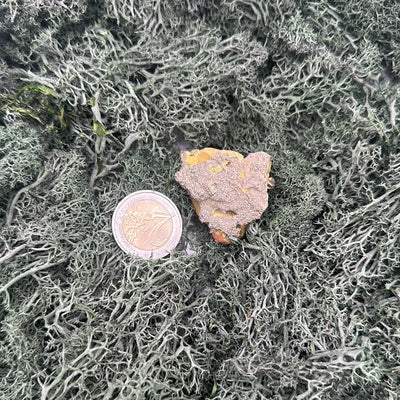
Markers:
point(306, 305)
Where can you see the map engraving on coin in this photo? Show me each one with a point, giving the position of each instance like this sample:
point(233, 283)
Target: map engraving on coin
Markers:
point(147, 224)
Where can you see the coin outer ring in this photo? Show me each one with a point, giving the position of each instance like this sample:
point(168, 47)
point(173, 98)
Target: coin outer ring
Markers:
point(134, 198)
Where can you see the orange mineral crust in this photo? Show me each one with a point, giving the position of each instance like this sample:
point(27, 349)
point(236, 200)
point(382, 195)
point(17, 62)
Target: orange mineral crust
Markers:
point(227, 190)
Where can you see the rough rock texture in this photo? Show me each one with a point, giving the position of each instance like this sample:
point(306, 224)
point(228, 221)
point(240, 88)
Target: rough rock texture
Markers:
point(227, 190)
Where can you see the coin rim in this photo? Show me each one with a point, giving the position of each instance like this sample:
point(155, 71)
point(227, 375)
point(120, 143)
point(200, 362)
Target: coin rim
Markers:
point(161, 199)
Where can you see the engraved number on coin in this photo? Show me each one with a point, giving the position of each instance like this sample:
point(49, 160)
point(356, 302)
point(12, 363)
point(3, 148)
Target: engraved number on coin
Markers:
point(137, 223)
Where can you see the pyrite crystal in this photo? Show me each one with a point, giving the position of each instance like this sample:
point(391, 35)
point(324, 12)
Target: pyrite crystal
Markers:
point(227, 190)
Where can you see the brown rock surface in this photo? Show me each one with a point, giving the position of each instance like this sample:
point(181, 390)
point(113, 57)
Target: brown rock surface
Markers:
point(227, 190)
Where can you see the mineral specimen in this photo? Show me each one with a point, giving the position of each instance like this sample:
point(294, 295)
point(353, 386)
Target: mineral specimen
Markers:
point(227, 190)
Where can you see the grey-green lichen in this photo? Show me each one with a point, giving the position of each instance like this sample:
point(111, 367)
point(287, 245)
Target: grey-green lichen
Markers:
point(306, 305)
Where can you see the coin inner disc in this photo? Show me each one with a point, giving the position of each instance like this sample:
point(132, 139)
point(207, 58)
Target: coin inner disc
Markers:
point(147, 225)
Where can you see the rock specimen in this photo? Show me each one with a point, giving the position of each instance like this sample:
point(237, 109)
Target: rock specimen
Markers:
point(227, 190)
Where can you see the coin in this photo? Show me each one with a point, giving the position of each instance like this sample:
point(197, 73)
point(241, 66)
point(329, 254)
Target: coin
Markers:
point(147, 223)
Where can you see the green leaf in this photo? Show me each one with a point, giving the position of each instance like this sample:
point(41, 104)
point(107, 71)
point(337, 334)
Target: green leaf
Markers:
point(214, 388)
point(39, 89)
point(99, 130)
